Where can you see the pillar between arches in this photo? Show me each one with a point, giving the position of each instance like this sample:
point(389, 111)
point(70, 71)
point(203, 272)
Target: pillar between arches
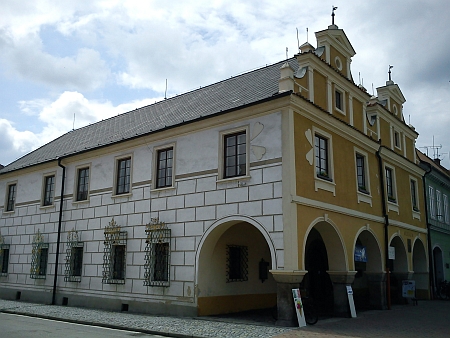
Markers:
point(286, 281)
point(340, 280)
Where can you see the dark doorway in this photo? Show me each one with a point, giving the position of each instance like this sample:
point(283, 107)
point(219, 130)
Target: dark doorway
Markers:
point(317, 282)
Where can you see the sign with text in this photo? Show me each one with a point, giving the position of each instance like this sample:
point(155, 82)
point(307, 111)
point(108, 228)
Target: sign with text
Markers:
point(299, 307)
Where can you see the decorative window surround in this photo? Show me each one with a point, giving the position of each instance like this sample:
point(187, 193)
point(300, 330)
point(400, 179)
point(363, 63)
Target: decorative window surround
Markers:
point(4, 257)
point(114, 254)
point(39, 257)
point(74, 257)
point(157, 254)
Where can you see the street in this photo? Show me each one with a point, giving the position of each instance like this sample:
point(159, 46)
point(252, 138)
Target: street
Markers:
point(17, 326)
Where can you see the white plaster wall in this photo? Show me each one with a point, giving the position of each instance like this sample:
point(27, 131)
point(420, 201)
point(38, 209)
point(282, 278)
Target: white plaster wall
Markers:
point(189, 209)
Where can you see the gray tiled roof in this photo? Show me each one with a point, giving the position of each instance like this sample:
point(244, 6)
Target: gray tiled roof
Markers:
point(219, 97)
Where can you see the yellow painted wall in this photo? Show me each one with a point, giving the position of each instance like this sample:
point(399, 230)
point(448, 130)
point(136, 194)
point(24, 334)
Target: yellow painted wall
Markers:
point(320, 90)
point(358, 116)
point(333, 54)
point(385, 133)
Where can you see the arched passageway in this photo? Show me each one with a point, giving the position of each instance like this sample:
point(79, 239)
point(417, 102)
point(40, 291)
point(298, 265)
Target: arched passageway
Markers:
point(233, 261)
point(327, 268)
point(369, 285)
point(398, 268)
point(438, 265)
point(420, 268)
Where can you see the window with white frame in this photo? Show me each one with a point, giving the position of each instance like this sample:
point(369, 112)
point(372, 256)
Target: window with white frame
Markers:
point(446, 211)
point(82, 185)
point(432, 202)
point(11, 196)
point(48, 191)
point(235, 154)
point(439, 205)
point(322, 157)
point(123, 176)
point(390, 185)
point(414, 194)
point(397, 142)
point(164, 168)
point(339, 100)
point(361, 173)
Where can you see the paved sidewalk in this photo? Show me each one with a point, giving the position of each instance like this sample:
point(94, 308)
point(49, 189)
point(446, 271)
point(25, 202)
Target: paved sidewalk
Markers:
point(428, 319)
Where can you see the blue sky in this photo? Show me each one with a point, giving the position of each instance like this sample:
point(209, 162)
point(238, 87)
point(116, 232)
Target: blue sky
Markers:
point(95, 59)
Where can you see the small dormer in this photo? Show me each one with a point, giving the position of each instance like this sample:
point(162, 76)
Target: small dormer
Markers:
point(338, 51)
point(393, 97)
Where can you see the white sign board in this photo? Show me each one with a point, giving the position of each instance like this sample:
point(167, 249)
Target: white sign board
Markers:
point(299, 307)
point(350, 301)
point(409, 288)
point(391, 252)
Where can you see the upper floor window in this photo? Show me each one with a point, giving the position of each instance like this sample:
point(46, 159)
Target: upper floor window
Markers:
point(390, 188)
point(432, 203)
point(82, 184)
point(123, 176)
point(361, 173)
point(439, 205)
point(49, 190)
point(397, 142)
point(11, 197)
point(446, 211)
point(164, 168)
point(235, 154)
point(414, 202)
point(322, 157)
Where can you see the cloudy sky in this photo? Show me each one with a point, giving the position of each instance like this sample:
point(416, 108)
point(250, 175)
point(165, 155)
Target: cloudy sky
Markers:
point(65, 64)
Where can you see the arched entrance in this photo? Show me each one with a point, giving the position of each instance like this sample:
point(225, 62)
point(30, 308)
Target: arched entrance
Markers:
point(369, 285)
point(232, 264)
point(438, 265)
point(420, 268)
point(327, 268)
point(398, 268)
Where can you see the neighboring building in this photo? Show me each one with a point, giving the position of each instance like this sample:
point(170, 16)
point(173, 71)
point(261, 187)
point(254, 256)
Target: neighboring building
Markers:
point(183, 206)
point(437, 193)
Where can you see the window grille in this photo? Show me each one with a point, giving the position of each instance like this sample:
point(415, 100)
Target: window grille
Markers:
point(74, 257)
point(157, 254)
point(4, 257)
point(114, 254)
point(237, 263)
point(39, 257)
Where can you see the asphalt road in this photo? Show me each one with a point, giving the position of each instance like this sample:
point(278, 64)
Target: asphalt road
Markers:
point(16, 326)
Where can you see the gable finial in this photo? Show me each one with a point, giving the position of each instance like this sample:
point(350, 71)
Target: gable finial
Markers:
point(332, 14)
point(390, 67)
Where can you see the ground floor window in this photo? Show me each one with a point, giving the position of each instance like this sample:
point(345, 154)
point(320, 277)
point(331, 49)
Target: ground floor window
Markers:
point(114, 254)
point(237, 263)
point(157, 254)
point(74, 257)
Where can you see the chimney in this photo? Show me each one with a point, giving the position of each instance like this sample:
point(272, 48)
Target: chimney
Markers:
point(286, 81)
point(437, 161)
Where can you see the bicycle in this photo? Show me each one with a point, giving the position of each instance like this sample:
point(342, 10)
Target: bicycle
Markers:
point(443, 290)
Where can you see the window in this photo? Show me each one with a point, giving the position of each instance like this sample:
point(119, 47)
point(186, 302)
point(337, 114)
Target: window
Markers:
point(338, 95)
point(164, 168)
point(432, 205)
point(237, 263)
point(49, 190)
point(114, 254)
point(390, 189)
point(322, 163)
point(82, 184)
point(439, 205)
point(4, 259)
point(157, 254)
point(39, 257)
point(74, 257)
point(235, 155)
point(123, 176)
point(446, 211)
point(361, 173)
point(11, 198)
point(397, 139)
point(415, 204)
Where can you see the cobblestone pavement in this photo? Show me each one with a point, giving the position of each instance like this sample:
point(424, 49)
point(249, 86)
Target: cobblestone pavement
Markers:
point(428, 319)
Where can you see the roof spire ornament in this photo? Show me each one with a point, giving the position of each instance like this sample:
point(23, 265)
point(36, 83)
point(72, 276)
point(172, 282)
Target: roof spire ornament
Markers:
point(332, 14)
point(389, 82)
